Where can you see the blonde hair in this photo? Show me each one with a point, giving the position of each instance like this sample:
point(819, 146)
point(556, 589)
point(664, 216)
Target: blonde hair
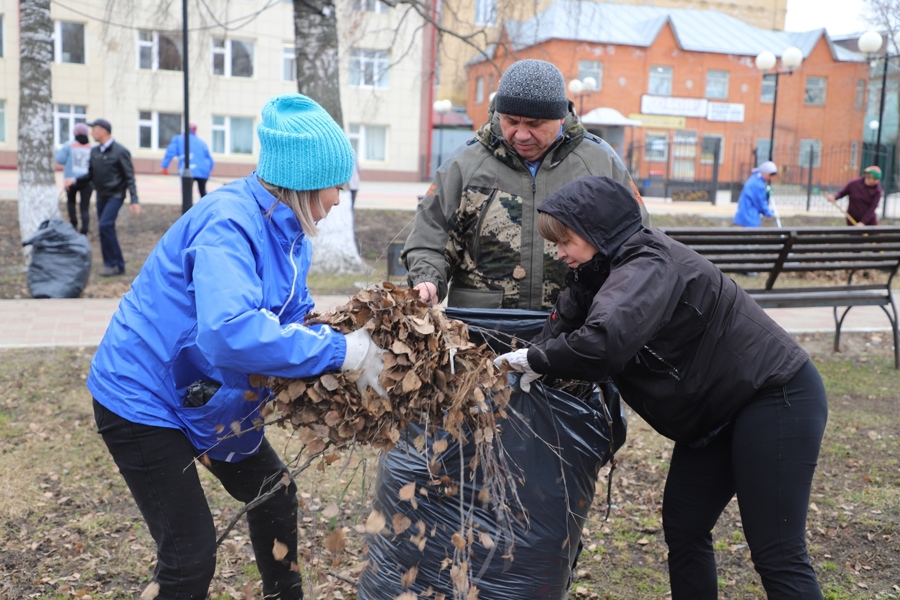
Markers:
point(301, 202)
point(552, 229)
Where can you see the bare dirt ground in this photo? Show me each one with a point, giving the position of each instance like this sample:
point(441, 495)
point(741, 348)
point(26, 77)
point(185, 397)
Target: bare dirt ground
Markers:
point(69, 528)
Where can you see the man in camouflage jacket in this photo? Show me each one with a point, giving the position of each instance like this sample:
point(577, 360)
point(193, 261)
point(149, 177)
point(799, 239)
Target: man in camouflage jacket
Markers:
point(475, 232)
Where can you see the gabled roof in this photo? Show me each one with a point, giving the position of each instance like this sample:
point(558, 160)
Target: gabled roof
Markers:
point(635, 25)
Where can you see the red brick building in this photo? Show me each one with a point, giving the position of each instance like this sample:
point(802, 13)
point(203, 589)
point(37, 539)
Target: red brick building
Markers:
point(682, 79)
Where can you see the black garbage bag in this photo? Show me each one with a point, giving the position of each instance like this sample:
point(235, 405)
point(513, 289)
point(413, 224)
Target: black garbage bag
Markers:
point(60, 260)
point(555, 443)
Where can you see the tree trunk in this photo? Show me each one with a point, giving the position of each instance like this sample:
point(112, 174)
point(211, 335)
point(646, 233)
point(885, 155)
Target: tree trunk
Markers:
point(37, 194)
point(334, 249)
point(316, 43)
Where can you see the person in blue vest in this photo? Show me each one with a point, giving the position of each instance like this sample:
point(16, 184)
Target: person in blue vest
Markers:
point(75, 155)
point(754, 200)
point(202, 162)
point(222, 296)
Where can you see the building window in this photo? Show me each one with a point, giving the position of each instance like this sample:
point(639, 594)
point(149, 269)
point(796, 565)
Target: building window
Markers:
point(591, 68)
point(68, 43)
point(2, 120)
point(854, 156)
point(767, 95)
point(660, 81)
point(375, 6)
point(656, 147)
point(232, 58)
point(369, 68)
point(289, 63)
point(762, 150)
point(156, 129)
point(860, 93)
point(65, 116)
point(1, 36)
point(479, 90)
point(708, 148)
point(368, 141)
point(807, 148)
point(815, 91)
point(158, 51)
point(232, 135)
point(486, 13)
point(717, 84)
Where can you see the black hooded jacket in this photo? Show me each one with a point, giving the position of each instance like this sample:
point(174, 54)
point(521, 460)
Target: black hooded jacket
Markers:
point(685, 345)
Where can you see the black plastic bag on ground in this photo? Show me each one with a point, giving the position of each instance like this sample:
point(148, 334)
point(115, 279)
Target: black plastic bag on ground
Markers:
point(555, 444)
point(60, 260)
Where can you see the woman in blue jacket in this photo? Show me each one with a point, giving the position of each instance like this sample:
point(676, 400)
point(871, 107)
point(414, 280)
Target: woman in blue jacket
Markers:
point(754, 200)
point(223, 296)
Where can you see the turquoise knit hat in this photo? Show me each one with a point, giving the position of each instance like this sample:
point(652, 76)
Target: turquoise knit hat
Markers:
point(300, 145)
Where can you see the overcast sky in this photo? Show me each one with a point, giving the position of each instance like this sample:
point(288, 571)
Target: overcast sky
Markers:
point(837, 16)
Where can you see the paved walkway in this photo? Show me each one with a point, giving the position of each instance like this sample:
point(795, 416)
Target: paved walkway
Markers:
point(82, 321)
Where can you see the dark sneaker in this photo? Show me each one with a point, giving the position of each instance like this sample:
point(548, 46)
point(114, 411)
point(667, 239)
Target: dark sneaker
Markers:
point(112, 271)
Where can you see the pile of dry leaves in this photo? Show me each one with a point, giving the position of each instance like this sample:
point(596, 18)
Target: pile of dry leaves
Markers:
point(432, 373)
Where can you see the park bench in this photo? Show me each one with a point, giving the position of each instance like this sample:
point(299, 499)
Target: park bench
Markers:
point(839, 254)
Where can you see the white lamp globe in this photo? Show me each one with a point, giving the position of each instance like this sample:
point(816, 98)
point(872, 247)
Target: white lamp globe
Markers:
point(765, 61)
point(873, 124)
point(576, 87)
point(590, 84)
point(869, 42)
point(792, 57)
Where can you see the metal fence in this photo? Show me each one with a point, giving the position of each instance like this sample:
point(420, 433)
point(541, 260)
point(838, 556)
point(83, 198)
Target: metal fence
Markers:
point(684, 168)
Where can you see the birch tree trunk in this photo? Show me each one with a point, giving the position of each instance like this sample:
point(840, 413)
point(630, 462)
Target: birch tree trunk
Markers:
point(37, 194)
point(316, 43)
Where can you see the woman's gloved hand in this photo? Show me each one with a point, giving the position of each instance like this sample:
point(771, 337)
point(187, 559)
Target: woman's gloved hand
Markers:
point(518, 361)
point(364, 355)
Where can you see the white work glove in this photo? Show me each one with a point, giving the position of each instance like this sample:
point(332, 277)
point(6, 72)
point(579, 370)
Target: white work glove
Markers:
point(518, 360)
point(364, 355)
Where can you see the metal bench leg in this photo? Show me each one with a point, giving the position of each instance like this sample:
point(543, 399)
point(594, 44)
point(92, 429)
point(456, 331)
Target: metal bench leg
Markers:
point(837, 327)
point(893, 319)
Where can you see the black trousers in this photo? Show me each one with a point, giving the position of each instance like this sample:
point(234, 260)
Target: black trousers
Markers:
point(85, 189)
point(767, 458)
point(158, 466)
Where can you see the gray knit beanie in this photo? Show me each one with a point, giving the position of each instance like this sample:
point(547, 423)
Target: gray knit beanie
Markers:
point(534, 89)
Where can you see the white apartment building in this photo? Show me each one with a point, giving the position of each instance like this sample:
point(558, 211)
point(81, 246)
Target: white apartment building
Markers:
point(121, 61)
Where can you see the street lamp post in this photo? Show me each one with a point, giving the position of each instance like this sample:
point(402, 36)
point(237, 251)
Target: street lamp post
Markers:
point(441, 107)
point(765, 61)
point(870, 43)
point(187, 178)
point(581, 88)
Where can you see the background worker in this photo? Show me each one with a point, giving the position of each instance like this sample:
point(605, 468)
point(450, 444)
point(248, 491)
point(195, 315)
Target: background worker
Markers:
point(863, 193)
point(112, 174)
point(754, 200)
point(202, 162)
point(75, 155)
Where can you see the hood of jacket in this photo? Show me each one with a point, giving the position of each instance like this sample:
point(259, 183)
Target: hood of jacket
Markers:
point(599, 209)
point(490, 135)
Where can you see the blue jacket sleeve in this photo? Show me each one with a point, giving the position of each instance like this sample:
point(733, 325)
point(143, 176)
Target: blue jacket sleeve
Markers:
point(173, 150)
point(62, 153)
point(236, 326)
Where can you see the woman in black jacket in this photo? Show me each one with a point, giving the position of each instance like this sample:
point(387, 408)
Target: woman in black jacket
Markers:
point(698, 359)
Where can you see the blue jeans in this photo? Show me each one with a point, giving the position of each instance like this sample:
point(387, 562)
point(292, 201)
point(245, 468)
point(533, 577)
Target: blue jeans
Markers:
point(158, 465)
point(767, 458)
point(107, 212)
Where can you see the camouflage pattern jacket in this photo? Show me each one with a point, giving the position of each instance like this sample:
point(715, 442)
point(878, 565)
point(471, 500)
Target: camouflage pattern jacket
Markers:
point(475, 232)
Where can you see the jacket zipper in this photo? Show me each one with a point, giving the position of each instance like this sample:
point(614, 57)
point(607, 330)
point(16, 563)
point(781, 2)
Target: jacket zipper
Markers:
point(672, 370)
